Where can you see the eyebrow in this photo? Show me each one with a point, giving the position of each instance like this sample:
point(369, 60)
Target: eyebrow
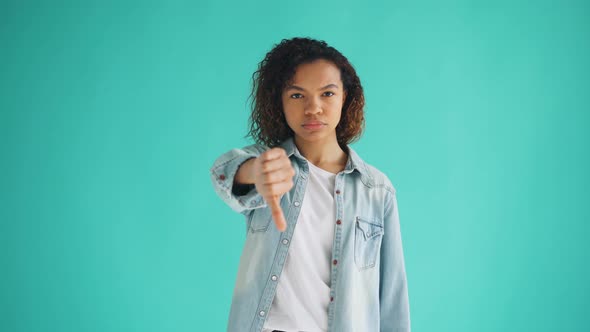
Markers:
point(295, 87)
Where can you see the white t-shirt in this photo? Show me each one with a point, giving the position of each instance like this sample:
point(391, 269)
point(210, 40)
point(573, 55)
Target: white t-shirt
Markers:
point(303, 292)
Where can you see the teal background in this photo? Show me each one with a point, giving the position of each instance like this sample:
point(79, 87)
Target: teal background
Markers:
point(113, 112)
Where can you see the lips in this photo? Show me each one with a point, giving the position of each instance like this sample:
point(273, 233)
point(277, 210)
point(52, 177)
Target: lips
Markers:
point(313, 124)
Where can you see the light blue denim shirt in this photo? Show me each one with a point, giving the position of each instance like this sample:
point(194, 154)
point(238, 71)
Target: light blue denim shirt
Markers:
point(369, 291)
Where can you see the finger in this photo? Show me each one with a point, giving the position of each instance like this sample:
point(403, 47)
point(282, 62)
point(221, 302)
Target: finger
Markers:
point(276, 189)
point(277, 176)
point(272, 154)
point(277, 214)
point(276, 164)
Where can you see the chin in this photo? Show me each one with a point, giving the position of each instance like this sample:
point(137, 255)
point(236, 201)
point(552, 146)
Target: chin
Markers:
point(313, 137)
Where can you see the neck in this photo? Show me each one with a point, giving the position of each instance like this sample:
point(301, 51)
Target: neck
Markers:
point(324, 153)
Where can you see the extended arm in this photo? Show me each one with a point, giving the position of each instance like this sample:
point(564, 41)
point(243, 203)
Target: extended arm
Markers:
point(235, 187)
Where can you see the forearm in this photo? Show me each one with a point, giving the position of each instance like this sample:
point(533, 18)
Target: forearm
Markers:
point(240, 198)
point(245, 174)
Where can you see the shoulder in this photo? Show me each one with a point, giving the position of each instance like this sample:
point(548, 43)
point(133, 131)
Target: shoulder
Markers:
point(236, 156)
point(255, 148)
point(248, 151)
point(371, 176)
point(378, 179)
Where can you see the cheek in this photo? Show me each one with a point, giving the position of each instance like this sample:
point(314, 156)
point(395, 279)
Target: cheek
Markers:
point(289, 103)
point(290, 112)
point(335, 106)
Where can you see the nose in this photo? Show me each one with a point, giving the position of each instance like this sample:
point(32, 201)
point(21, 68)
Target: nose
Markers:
point(313, 106)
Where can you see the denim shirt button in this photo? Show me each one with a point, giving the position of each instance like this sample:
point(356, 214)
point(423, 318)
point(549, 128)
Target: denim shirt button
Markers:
point(296, 203)
point(285, 241)
point(261, 313)
point(274, 278)
point(222, 177)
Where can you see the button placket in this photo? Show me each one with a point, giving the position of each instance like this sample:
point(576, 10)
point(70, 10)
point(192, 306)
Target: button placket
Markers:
point(338, 200)
point(271, 288)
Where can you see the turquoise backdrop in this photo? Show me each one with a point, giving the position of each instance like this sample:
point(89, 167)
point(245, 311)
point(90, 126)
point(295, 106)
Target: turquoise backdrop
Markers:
point(112, 112)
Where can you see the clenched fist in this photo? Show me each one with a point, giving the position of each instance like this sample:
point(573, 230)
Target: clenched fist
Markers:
point(272, 174)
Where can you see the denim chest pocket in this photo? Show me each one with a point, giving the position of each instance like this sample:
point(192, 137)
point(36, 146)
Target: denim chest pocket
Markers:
point(368, 234)
point(259, 220)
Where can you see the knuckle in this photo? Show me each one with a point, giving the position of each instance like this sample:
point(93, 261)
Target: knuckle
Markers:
point(269, 177)
point(276, 151)
point(268, 154)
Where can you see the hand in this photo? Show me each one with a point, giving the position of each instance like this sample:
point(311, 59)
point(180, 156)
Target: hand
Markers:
point(273, 176)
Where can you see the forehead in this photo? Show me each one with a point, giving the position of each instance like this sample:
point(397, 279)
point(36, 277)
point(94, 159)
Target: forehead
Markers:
point(319, 72)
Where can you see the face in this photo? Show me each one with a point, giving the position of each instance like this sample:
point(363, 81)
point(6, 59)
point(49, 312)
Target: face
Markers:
point(313, 101)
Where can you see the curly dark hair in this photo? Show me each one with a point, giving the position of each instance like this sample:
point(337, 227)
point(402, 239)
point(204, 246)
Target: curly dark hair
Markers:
point(268, 125)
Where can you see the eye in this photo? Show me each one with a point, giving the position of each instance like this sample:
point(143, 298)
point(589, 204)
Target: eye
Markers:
point(331, 93)
point(296, 96)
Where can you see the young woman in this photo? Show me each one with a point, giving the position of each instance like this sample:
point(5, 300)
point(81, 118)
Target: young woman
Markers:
point(333, 259)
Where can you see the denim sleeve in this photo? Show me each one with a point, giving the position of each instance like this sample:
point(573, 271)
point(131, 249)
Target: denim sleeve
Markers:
point(224, 170)
point(393, 285)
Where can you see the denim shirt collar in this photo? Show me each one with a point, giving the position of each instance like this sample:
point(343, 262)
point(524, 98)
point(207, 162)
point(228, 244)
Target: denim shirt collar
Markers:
point(354, 161)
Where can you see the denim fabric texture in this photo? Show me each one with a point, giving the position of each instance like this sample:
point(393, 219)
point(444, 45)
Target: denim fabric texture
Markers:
point(369, 291)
